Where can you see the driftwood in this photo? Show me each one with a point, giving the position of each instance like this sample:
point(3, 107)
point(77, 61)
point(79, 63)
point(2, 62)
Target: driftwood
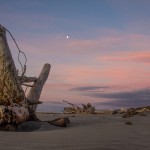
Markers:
point(15, 107)
point(10, 88)
point(35, 92)
point(74, 109)
point(130, 112)
point(135, 111)
point(60, 122)
point(24, 79)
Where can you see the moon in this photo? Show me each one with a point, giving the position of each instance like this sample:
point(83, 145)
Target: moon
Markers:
point(67, 37)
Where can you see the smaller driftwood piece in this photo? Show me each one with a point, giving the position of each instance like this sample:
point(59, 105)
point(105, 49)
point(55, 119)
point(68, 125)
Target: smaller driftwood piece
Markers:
point(60, 122)
point(74, 109)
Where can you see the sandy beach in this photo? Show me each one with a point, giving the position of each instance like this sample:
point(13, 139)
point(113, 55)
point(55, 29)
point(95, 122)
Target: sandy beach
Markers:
point(86, 132)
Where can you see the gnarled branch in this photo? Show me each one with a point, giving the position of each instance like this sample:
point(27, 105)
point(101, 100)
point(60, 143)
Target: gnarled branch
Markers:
point(24, 79)
point(35, 91)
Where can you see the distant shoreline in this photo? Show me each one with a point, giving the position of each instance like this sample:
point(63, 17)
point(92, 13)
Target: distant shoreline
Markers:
point(58, 107)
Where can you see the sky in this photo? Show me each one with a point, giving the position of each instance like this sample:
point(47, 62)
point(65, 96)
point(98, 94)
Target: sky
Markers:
point(104, 60)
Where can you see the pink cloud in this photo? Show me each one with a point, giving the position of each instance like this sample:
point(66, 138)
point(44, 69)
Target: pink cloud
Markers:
point(118, 74)
point(141, 56)
point(59, 92)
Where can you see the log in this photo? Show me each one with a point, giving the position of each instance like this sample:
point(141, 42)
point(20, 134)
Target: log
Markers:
point(60, 122)
point(35, 92)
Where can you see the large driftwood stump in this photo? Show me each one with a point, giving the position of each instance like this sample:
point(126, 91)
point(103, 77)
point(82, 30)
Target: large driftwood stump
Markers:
point(10, 89)
point(15, 108)
point(13, 104)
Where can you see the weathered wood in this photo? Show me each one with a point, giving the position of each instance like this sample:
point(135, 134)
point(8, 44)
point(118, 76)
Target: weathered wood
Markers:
point(73, 105)
point(10, 89)
point(35, 91)
point(60, 122)
point(24, 79)
point(11, 92)
point(13, 114)
point(15, 108)
point(74, 109)
point(27, 85)
point(34, 103)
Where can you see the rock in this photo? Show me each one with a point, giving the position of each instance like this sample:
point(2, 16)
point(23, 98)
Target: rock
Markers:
point(145, 110)
point(129, 113)
point(123, 110)
point(114, 112)
point(128, 123)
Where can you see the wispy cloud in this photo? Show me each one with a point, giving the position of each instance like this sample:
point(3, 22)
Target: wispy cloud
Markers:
point(88, 88)
point(59, 91)
point(117, 96)
point(141, 56)
point(125, 95)
point(134, 98)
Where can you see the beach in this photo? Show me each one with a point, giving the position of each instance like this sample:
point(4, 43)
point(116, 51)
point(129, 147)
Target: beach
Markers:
point(85, 132)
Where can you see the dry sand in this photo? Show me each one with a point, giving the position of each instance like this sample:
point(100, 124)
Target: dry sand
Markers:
point(86, 132)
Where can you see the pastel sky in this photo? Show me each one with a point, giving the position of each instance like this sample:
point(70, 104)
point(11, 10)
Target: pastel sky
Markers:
point(106, 58)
